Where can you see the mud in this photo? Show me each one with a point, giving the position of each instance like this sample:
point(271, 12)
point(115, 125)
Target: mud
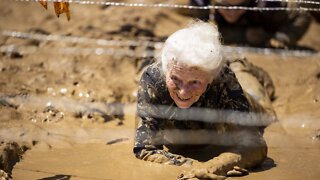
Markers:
point(73, 104)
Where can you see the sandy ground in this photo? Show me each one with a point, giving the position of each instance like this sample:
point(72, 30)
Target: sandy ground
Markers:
point(63, 101)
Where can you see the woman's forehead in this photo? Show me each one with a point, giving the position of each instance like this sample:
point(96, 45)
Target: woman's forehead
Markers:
point(188, 72)
point(184, 66)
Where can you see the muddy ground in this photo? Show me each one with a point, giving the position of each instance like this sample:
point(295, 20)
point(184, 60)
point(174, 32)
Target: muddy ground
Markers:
point(67, 105)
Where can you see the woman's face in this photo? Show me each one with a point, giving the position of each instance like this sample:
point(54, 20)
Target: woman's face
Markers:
point(232, 16)
point(186, 84)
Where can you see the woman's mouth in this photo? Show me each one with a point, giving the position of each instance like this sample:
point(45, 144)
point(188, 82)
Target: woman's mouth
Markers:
point(183, 99)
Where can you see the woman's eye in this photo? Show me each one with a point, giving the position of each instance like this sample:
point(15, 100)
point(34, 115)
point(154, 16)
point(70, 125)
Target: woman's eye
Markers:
point(174, 78)
point(195, 82)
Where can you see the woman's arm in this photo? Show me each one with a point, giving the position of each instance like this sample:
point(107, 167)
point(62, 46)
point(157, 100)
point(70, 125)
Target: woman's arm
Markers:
point(147, 148)
point(248, 147)
point(292, 31)
point(250, 151)
point(289, 27)
point(148, 140)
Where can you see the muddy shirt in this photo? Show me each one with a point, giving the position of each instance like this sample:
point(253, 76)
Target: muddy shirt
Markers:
point(158, 115)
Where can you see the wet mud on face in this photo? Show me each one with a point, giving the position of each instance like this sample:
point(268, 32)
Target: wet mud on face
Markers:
point(75, 109)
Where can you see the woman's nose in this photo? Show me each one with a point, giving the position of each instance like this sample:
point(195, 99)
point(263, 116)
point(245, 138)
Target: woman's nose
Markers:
point(184, 90)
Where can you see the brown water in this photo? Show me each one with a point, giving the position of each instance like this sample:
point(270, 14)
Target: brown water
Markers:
point(289, 158)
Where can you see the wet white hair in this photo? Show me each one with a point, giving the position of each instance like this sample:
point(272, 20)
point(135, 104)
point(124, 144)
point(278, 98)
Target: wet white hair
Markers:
point(197, 45)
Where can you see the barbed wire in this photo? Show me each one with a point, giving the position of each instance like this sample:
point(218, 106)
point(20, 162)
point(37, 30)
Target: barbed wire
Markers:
point(193, 113)
point(73, 39)
point(179, 6)
point(229, 51)
point(269, 51)
point(70, 106)
point(13, 49)
point(126, 43)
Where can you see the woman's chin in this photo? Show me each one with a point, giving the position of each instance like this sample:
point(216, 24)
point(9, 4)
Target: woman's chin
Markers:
point(183, 105)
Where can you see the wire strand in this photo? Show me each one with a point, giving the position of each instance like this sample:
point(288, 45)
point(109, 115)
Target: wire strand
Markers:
point(126, 43)
point(74, 39)
point(162, 5)
point(294, 1)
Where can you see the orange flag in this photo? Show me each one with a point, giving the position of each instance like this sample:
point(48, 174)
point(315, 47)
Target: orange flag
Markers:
point(44, 3)
point(62, 7)
point(59, 7)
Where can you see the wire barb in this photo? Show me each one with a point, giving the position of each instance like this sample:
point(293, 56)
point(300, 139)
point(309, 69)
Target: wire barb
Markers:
point(126, 43)
point(161, 5)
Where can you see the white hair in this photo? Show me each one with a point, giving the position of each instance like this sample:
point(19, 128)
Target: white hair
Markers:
point(197, 45)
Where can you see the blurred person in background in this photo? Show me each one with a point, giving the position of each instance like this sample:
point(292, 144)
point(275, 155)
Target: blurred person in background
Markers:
point(277, 29)
point(315, 4)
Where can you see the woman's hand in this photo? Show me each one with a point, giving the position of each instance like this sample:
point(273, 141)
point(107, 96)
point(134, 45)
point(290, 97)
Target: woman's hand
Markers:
point(209, 173)
point(217, 168)
point(277, 44)
point(157, 158)
point(164, 157)
point(237, 171)
point(4, 175)
point(200, 173)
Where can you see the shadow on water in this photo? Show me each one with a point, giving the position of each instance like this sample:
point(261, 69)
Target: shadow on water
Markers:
point(303, 48)
point(266, 165)
point(57, 177)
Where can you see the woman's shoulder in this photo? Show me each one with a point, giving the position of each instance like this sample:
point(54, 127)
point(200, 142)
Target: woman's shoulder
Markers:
point(226, 79)
point(226, 74)
point(153, 73)
point(153, 85)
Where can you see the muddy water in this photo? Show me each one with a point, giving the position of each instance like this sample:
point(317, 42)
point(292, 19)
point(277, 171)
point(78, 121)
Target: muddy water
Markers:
point(289, 158)
point(82, 153)
point(107, 162)
point(114, 162)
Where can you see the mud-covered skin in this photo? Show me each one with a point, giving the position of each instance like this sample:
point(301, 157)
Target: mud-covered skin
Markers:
point(4, 175)
point(258, 87)
point(224, 93)
point(260, 74)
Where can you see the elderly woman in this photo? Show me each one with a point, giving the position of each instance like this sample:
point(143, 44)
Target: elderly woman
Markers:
point(191, 99)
